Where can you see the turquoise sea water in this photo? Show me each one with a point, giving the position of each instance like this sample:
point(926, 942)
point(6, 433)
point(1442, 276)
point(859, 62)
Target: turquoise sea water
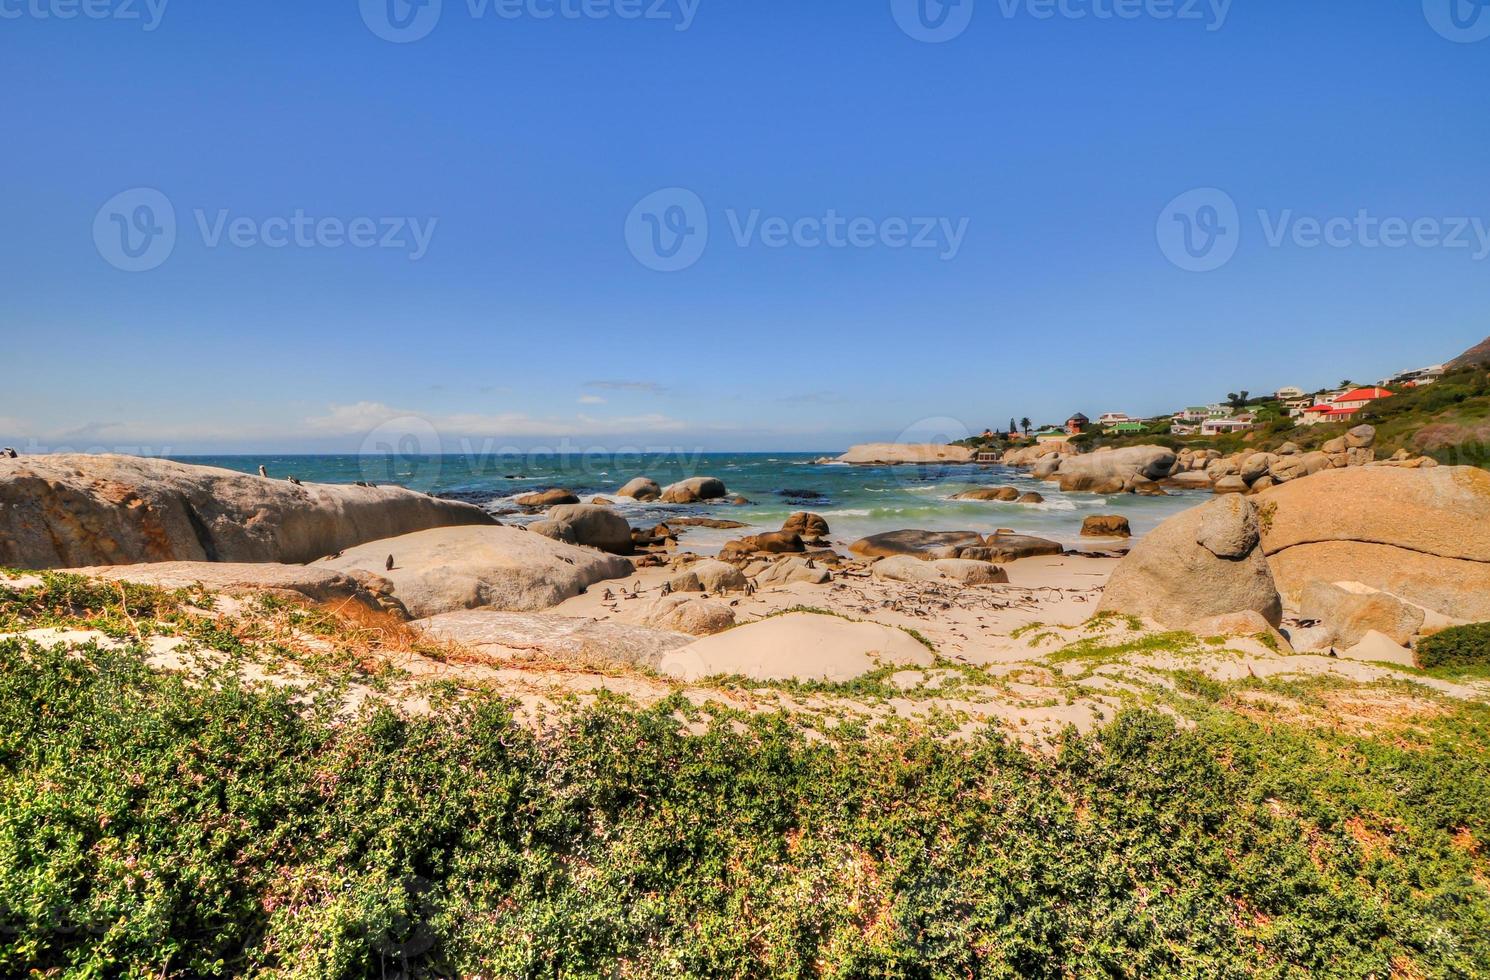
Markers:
point(855, 500)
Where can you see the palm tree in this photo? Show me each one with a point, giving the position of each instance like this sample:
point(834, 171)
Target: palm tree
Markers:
point(1024, 424)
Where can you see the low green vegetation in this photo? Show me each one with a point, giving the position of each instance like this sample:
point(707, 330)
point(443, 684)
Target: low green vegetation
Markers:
point(165, 825)
point(1461, 647)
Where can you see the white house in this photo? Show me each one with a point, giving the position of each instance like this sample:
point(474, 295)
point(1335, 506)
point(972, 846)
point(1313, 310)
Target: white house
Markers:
point(1286, 394)
point(1113, 418)
point(1215, 427)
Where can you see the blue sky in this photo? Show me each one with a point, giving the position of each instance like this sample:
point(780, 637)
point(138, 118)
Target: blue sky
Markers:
point(518, 146)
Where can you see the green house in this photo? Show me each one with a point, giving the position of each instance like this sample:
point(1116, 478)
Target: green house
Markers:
point(1128, 429)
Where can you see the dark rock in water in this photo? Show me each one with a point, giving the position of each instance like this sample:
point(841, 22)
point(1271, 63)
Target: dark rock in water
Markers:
point(920, 544)
point(1012, 547)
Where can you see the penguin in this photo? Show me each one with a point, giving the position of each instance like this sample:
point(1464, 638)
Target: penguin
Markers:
point(10, 453)
point(263, 472)
point(389, 565)
point(294, 481)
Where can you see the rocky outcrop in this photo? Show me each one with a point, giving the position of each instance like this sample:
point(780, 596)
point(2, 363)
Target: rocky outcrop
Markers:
point(919, 544)
point(504, 568)
point(507, 635)
point(546, 498)
point(641, 489)
point(806, 525)
point(793, 570)
point(1348, 612)
point(1113, 471)
point(1006, 494)
point(1420, 534)
point(1028, 455)
point(695, 490)
point(299, 582)
point(1106, 526)
point(588, 525)
point(73, 510)
point(895, 453)
point(1203, 562)
point(771, 543)
point(1005, 546)
point(682, 613)
point(708, 576)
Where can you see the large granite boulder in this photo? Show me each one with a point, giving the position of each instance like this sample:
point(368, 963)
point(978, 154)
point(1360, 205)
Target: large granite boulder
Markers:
point(919, 544)
point(312, 582)
point(1420, 534)
point(806, 525)
point(1027, 455)
point(881, 453)
point(1204, 562)
point(508, 635)
point(1006, 546)
point(1106, 526)
point(1114, 471)
point(591, 526)
point(640, 488)
point(546, 498)
point(1005, 494)
point(73, 510)
point(504, 568)
point(694, 491)
point(710, 576)
point(682, 613)
point(1349, 611)
point(792, 570)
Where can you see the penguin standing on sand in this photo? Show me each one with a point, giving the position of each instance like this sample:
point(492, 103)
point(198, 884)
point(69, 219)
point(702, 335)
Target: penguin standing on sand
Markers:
point(294, 481)
point(9, 453)
point(389, 566)
point(263, 472)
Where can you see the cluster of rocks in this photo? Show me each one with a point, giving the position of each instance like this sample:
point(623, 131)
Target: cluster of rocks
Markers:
point(1001, 546)
point(1366, 559)
point(1004, 494)
point(1133, 469)
point(1254, 472)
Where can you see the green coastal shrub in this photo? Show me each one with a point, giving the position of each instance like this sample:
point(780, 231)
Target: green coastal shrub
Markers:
point(1458, 646)
point(162, 826)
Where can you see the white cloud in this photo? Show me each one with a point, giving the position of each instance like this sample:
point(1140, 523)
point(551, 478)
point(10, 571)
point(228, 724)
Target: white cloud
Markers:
point(591, 400)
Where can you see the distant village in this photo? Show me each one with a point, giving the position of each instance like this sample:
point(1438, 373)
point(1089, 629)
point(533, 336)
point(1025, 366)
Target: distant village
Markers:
point(1236, 414)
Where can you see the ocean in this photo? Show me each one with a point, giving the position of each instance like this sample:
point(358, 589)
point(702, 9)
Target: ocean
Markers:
point(855, 500)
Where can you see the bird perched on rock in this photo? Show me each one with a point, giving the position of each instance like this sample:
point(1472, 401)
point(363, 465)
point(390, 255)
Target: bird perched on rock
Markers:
point(263, 472)
point(295, 481)
point(10, 453)
point(389, 566)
